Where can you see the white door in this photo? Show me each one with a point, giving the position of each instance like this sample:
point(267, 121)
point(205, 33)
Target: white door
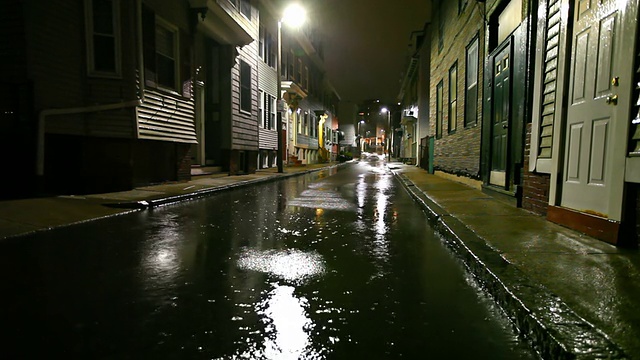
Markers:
point(598, 113)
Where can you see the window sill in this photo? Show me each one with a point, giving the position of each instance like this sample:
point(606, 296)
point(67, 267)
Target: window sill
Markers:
point(165, 91)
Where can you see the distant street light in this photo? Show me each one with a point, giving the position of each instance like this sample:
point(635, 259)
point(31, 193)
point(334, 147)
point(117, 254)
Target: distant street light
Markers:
point(294, 15)
point(385, 110)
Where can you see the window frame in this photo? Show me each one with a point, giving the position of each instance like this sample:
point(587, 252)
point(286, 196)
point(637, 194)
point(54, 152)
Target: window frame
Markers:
point(160, 22)
point(91, 45)
point(471, 85)
point(439, 109)
point(462, 5)
point(261, 107)
point(452, 109)
point(246, 92)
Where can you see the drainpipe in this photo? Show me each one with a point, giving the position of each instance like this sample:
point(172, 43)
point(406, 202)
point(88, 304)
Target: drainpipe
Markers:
point(68, 111)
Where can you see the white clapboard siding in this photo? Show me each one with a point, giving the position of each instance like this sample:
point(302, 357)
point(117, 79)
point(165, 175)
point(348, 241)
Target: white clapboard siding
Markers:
point(165, 117)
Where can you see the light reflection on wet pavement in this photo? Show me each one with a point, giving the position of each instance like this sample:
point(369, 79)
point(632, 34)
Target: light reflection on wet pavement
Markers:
point(333, 265)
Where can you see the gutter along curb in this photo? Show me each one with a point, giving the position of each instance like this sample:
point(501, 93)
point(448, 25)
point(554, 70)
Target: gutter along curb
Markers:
point(552, 329)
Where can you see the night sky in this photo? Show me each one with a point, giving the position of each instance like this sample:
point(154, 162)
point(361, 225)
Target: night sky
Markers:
point(366, 46)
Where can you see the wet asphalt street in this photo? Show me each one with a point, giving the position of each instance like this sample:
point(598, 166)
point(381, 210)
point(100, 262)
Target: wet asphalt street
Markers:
point(339, 264)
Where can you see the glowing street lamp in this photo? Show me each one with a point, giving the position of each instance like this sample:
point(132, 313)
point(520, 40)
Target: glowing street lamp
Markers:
point(294, 15)
point(385, 110)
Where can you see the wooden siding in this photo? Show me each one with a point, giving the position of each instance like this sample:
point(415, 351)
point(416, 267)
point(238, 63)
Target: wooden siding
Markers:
point(267, 78)
point(165, 117)
point(244, 125)
point(549, 81)
point(267, 82)
point(55, 50)
point(268, 139)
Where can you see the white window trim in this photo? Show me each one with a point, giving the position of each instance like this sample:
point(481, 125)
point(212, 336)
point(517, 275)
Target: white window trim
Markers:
point(176, 53)
point(272, 114)
point(261, 107)
point(91, 71)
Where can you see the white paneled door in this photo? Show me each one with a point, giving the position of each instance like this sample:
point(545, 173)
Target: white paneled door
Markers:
point(600, 88)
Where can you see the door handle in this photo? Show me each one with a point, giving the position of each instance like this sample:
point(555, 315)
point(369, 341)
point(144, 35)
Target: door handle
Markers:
point(612, 100)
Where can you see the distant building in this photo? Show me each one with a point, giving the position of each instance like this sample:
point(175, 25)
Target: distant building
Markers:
point(347, 115)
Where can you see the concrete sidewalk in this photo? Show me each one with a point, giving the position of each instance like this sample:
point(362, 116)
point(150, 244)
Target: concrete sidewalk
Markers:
point(572, 295)
point(24, 216)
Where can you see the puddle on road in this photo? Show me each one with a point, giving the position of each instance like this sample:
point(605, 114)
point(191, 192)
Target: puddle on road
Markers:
point(290, 265)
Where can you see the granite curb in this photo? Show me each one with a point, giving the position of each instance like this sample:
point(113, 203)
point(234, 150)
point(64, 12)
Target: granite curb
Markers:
point(540, 317)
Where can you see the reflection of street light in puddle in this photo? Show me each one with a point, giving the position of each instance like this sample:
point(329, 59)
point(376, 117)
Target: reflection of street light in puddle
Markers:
point(291, 325)
point(288, 334)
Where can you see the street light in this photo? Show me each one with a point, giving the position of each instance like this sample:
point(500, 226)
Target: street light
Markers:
point(385, 110)
point(360, 135)
point(294, 15)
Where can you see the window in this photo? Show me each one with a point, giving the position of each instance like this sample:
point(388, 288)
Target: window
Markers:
point(270, 51)
point(305, 79)
point(440, 31)
point(305, 124)
point(462, 4)
point(160, 47)
point(439, 115)
point(272, 112)
point(166, 55)
point(261, 107)
point(299, 70)
point(261, 42)
point(267, 111)
point(245, 86)
point(471, 84)
point(244, 6)
point(103, 37)
point(453, 98)
point(292, 64)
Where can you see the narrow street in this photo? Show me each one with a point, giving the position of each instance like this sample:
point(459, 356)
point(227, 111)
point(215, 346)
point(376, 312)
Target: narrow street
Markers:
point(339, 264)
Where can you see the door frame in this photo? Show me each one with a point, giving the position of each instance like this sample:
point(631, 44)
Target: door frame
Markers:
point(507, 43)
point(620, 116)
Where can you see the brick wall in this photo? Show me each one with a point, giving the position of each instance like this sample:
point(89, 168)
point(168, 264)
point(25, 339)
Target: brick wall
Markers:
point(183, 162)
point(456, 152)
point(535, 186)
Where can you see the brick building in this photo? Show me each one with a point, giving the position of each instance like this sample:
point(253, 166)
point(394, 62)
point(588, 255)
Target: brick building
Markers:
point(457, 51)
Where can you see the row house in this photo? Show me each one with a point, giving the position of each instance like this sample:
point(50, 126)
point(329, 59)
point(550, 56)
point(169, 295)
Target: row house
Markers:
point(226, 81)
point(413, 132)
point(308, 109)
point(583, 168)
point(107, 95)
point(267, 87)
point(537, 101)
point(105, 91)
